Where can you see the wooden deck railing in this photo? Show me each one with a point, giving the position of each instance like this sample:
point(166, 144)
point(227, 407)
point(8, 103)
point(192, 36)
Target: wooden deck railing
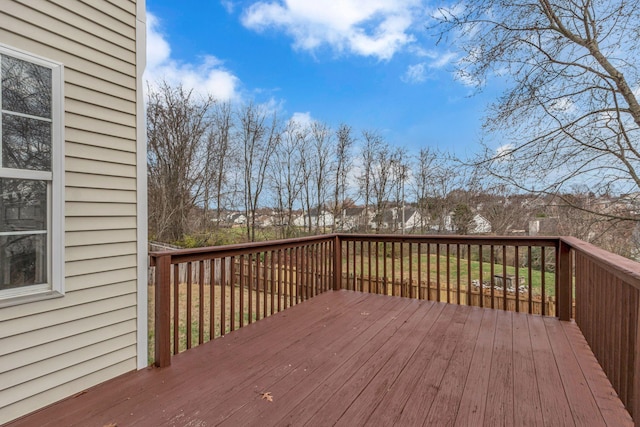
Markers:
point(207, 292)
point(607, 299)
point(508, 273)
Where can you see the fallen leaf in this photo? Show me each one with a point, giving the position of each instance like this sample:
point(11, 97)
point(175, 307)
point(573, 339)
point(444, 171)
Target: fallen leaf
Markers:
point(266, 396)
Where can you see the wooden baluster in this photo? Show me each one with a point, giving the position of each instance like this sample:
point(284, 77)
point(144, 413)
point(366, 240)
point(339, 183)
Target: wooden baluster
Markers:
point(250, 288)
point(176, 309)
point(530, 279)
point(201, 302)
point(438, 297)
point(223, 297)
point(458, 273)
point(212, 299)
point(189, 320)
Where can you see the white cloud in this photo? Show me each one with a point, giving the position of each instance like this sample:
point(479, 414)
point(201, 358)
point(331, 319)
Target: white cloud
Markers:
point(415, 73)
point(158, 50)
point(467, 79)
point(208, 76)
point(562, 105)
point(443, 59)
point(302, 119)
point(418, 73)
point(504, 152)
point(228, 5)
point(376, 28)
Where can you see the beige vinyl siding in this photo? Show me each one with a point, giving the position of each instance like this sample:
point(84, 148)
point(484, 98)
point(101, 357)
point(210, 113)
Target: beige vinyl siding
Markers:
point(89, 166)
point(98, 278)
point(99, 223)
point(90, 152)
point(55, 348)
point(90, 364)
point(81, 180)
point(66, 345)
point(41, 368)
point(78, 268)
point(99, 86)
point(78, 93)
point(100, 251)
point(102, 26)
point(100, 209)
point(96, 375)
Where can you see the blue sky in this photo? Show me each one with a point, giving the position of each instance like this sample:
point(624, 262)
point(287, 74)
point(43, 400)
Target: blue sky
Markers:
point(368, 63)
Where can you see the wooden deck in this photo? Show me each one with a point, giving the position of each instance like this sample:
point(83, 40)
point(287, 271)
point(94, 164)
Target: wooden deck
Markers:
point(349, 358)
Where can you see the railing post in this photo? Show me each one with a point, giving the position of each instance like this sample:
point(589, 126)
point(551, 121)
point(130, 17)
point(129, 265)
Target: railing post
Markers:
point(337, 263)
point(563, 276)
point(634, 408)
point(163, 311)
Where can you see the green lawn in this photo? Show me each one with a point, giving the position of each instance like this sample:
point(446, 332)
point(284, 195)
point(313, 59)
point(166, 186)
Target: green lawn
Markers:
point(429, 270)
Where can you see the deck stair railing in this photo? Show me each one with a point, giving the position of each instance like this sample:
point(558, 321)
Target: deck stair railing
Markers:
point(204, 293)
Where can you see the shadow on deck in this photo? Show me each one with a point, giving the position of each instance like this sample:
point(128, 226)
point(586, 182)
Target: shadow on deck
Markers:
point(353, 358)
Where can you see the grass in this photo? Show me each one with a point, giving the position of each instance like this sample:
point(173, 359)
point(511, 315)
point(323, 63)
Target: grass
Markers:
point(429, 270)
point(219, 311)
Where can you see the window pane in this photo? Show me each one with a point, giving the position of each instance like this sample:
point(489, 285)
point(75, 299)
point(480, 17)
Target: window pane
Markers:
point(26, 87)
point(26, 143)
point(23, 205)
point(23, 260)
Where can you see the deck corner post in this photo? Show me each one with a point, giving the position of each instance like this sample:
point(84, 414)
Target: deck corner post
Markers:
point(163, 311)
point(337, 264)
point(564, 276)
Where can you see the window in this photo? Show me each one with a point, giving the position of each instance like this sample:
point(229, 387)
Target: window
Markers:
point(31, 241)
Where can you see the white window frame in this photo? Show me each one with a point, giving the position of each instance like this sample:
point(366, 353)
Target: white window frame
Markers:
point(55, 190)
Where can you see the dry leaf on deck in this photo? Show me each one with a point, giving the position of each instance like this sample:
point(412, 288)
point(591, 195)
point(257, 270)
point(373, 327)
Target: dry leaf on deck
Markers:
point(266, 396)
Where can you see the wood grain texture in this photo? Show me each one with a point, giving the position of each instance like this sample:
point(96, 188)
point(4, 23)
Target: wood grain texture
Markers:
point(350, 358)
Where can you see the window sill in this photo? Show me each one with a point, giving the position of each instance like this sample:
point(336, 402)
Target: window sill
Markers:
point(29, 298)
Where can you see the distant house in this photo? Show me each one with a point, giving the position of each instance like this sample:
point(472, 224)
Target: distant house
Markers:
point(394, 219)
point(353, 218)
point(237, 219)
point(325, 219)
point(265, 220)
point(477, 225)
point(413, 220)
point(73, 220)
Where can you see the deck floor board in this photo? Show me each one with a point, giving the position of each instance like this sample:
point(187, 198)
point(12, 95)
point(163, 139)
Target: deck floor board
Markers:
point(350, 358)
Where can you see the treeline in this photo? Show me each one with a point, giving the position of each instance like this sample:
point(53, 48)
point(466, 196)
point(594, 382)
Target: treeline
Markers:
point(206, 158)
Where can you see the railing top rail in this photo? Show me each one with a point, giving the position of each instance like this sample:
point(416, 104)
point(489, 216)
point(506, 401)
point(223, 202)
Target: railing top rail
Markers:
point(623, 268)
point(195, 254)
point(456, 239)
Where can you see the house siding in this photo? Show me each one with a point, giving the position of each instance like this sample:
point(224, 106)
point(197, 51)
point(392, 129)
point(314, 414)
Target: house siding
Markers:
point(55, 348)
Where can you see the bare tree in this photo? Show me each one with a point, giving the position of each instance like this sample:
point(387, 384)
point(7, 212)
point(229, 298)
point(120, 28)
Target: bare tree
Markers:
point(422, 183)
point(286, 176)
point(399, 177)
point(308, 167)
point(177, 122)
point(382, 174)
point(372, 143)
point(571, 114)
point(220, 156)
point(321, 140)
point(258, 136)
point(341, 167)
